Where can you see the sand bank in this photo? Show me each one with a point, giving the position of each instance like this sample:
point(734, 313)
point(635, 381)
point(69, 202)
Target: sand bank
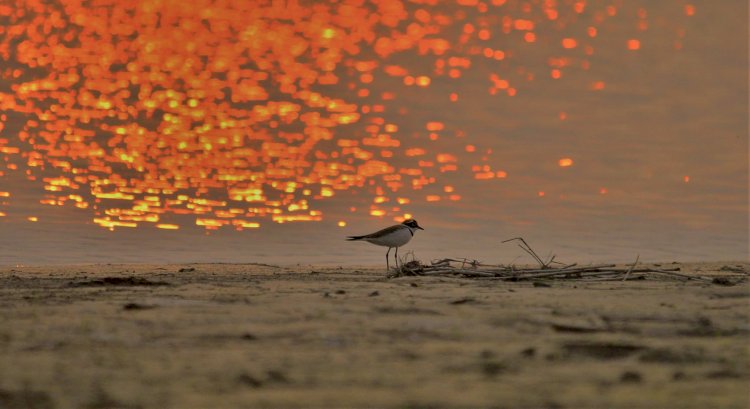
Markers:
point(228, 335)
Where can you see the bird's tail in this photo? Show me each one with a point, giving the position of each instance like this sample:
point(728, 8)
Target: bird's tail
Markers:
point(351, 238)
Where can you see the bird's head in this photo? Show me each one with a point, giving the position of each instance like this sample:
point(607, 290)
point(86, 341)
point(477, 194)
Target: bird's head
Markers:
point(412, 224)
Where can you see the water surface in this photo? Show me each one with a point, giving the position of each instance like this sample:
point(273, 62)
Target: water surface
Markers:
point(157, 134)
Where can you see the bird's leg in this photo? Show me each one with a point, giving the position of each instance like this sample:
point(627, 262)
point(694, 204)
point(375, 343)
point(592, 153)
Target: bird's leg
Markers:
point(395, 258)
point(387, 266)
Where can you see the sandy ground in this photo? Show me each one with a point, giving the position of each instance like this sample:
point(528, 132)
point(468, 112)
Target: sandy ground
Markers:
point(236, 336)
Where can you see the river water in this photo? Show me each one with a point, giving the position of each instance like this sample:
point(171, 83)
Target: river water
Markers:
point(631, 140)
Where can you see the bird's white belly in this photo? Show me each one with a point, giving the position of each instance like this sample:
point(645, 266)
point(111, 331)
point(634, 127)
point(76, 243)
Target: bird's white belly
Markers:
point(395, 239)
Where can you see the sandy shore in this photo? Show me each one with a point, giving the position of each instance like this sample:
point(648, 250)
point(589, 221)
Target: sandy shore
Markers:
point(226, 336)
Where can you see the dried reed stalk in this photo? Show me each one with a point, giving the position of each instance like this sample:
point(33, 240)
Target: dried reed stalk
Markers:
point(469, 268)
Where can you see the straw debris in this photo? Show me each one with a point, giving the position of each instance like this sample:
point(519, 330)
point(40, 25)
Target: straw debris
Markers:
point(548, 269)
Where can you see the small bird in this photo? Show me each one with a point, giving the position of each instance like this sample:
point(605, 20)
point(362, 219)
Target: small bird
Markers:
point(394, 236)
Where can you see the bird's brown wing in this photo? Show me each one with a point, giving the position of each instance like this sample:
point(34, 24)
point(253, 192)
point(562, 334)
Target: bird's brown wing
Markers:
point(383, 232)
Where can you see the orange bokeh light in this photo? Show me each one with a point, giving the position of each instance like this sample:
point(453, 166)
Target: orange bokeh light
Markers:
point(634, 44)
point(569, 43)
point(232, 114)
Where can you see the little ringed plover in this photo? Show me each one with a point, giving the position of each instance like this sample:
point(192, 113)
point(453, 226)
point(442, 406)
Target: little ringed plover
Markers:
point(394, 236)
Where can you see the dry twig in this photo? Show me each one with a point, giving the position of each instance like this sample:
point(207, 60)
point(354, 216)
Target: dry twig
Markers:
point(464, 267)
point(631, 267)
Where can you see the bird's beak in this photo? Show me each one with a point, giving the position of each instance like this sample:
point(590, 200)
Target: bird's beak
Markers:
point(419, 227)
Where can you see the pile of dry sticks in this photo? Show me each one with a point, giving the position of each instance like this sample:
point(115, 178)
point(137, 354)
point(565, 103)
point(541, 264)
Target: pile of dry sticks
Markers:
point(549, 269)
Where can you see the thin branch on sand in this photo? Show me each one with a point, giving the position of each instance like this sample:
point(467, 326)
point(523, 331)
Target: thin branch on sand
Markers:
point(525, 247)
point(631, 268)
point(469, 268)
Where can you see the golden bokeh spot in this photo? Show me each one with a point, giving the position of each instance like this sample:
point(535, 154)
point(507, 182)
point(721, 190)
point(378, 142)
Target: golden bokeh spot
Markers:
point(224, 114)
